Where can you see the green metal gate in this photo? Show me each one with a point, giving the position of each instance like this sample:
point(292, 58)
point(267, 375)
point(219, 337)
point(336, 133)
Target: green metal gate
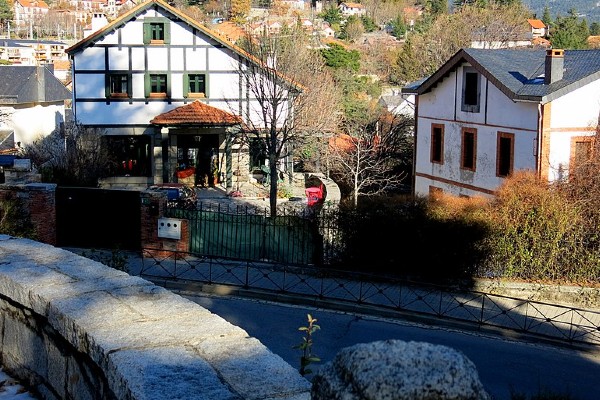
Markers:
point(287, 239)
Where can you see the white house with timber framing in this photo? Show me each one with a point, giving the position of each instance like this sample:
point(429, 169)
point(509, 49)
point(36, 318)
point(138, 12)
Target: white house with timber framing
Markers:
point(169, 95)
point(486, 113)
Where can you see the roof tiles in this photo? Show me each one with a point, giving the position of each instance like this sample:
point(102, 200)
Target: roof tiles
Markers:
point(536, 23)
point(196, 113)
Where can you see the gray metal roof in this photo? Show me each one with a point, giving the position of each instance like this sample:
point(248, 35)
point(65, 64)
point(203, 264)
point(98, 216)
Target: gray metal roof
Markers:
point(519, 72)
point(24, 84)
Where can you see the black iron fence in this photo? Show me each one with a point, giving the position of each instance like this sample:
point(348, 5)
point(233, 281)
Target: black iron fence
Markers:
point(385, 294)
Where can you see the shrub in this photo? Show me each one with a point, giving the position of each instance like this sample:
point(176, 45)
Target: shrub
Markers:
point(14, 220)
point(537, 233)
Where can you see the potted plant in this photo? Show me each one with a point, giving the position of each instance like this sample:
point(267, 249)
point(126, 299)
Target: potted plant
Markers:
point(215, 175)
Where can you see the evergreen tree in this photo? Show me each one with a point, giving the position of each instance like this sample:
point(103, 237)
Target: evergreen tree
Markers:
point(368, 23)
point(332, 15)
point(569, 32)
point(337, 57)
point(546, 18)
point(595, 29)
point(584, 30)
point(6, 12)
point(436, 7)
point(458, 4)
point(398, 27)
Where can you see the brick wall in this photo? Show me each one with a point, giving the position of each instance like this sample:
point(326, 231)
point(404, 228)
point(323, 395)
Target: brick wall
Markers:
point(38, 201)
point(153, 208)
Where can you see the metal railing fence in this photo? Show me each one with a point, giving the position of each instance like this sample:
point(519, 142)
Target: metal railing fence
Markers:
point(385, 293)
point(252, 234)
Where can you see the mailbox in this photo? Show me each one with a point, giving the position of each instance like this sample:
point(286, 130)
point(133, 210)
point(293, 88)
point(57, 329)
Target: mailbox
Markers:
point(169, 228)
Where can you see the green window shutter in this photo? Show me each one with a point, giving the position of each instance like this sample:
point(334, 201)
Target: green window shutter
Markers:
point(146, 85)
point(168, 85)
point(167, 32)
point(147, 33)
point(186, 84)
point(107, 85)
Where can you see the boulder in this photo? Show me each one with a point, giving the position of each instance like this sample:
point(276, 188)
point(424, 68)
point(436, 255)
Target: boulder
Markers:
point(395, 369)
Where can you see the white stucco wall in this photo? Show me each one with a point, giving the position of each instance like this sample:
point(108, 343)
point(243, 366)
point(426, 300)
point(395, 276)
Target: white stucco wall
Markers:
point(497, 113)
point(35, 122)
point(572, 115)
point(577, 109)
point(443, 94)
point(504, 112)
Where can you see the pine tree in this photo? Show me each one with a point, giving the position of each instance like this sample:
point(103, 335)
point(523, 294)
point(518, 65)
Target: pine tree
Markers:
point(569, 33)
point(6, 12)
point(436, 7)
point(546, 18)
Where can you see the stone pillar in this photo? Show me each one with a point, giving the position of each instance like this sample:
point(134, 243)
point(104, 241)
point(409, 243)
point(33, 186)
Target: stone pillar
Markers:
point(172, 159)
point(229, 138)
point(153, 208)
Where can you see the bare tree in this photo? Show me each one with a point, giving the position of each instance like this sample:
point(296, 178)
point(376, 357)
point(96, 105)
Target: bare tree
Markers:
point(383, 11)
point(373, 156)
point(494, 25)
point(295, 98)
point(73, 157)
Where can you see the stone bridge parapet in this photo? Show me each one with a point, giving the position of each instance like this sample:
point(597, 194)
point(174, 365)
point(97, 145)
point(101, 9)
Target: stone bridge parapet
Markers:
point(73, 328)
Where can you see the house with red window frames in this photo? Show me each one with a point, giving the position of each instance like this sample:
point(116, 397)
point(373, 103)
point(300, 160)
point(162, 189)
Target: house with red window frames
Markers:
point(486, 113)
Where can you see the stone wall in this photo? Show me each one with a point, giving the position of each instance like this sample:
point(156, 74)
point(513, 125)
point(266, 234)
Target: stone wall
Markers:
point(74, 328)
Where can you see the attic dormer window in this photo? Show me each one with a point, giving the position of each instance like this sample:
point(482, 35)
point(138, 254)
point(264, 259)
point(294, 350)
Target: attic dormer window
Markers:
point(156, 30)
point(471, 90)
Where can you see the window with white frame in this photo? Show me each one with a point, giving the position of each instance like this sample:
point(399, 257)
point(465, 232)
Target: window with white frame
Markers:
point(471, 90)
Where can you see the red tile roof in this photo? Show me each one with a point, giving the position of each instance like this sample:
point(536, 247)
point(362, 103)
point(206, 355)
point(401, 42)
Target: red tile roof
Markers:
point(196, 113)
point(536, 23)
point(38, 4)
point(230, 31)
point(61, 65)
point(541, 42)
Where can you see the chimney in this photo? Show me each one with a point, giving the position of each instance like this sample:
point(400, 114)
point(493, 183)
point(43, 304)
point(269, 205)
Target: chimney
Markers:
point(41, 83)
point(555, 62)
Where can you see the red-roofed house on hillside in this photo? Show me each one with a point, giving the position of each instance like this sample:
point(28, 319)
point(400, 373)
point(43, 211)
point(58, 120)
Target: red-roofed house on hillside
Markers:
point(347, 9)
point(167, 93)
point(538, 28)
point(26, 11)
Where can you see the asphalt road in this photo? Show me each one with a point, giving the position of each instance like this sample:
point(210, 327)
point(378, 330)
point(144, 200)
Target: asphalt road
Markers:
point(505, 365)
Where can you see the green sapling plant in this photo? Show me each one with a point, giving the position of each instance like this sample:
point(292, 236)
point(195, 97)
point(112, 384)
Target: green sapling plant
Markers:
point(306, 346)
